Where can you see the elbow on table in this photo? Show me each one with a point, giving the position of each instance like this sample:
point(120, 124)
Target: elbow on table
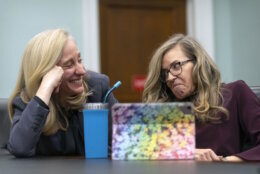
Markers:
point(20, 151)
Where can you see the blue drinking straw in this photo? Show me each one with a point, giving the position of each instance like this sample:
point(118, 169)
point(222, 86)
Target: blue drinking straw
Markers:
point(111, 89)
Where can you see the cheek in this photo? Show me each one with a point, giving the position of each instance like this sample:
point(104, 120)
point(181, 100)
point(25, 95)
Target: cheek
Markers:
point(188, 79)
point(65, 79)
point(67, 74)
point(190, 82)
point(190, 86)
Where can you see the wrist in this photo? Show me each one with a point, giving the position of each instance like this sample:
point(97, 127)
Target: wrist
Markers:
point(44, 93)
point(232, 159)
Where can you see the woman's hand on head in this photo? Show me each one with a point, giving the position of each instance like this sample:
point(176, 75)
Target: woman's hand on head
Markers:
point(53, 78)
point(50, 83)
point(206, 155)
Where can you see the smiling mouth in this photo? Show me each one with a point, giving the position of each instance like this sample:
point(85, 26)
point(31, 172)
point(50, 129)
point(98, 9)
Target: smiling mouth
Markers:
point(76, 81)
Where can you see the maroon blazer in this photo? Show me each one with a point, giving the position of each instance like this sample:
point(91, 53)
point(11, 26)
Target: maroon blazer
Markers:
point(228, 137)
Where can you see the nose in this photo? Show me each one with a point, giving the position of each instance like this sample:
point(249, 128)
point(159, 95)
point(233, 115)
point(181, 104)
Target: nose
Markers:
point(170, 77)
point(80, 69)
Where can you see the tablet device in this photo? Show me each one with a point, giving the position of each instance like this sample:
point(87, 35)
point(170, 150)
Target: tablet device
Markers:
point(153, 131)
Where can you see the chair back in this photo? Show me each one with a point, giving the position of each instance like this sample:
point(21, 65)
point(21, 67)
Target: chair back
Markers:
point(5, 123)
point(256, 90)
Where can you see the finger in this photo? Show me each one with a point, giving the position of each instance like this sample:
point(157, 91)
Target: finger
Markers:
point(200, 154)
point(208, 156)
point(57, 89)
point(197, 157)
point(59, 70)
point(200, 157)
point(220, 158)
point(213, 156)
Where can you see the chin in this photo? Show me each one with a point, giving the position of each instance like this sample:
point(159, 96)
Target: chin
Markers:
point(78, 91)
point(180, 96)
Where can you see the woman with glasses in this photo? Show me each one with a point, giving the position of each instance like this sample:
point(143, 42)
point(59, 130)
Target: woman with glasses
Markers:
point(227, 115)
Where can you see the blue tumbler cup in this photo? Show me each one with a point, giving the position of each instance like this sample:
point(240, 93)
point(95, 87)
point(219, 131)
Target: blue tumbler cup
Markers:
point(95, 121)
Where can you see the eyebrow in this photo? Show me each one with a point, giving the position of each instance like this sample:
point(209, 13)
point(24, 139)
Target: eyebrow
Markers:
point(174, 62)
point(69, 59)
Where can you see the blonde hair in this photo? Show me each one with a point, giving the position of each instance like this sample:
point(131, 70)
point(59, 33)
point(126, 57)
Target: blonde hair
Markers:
point(42, 53)
point(207, 99)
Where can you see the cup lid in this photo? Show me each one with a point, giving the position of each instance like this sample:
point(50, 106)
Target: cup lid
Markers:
point(95, 106)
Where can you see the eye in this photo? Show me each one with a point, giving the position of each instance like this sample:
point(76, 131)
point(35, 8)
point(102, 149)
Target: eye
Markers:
point(68, 64)
point(176, 66)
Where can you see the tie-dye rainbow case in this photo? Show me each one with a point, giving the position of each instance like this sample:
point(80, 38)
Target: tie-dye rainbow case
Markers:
point(153, 131)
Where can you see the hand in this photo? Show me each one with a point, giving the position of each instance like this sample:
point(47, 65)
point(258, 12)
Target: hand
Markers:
point(206, 155)
point(50, 83)
point(53, 78)
point(232, 159)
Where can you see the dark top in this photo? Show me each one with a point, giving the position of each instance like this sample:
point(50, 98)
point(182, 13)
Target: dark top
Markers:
point(229, 137)
point(26, 138)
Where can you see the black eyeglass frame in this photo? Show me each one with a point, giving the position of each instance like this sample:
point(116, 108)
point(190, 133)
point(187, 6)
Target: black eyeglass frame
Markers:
point(165, 73)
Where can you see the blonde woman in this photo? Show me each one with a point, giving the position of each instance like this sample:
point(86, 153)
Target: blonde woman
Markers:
point(226, 114)
point(51, 88)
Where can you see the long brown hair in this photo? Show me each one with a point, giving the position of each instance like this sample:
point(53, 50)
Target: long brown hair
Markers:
point(208, 100)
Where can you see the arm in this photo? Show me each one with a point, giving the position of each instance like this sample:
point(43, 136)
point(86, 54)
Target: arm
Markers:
point(244, 111)
point(249, 117)
point(27, 125)
point(29, 120)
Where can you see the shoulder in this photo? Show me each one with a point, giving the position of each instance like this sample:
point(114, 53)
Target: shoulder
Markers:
point(98, 85)
point(237, 86)
point(93, 78)
point(239, 89)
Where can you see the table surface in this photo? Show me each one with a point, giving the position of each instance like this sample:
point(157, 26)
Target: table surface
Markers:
point(80, 165)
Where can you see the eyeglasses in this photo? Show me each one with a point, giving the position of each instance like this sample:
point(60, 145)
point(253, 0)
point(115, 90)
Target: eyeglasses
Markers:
point(175, 69)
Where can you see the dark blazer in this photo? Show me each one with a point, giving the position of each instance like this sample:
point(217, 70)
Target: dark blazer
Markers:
point(26, 138)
